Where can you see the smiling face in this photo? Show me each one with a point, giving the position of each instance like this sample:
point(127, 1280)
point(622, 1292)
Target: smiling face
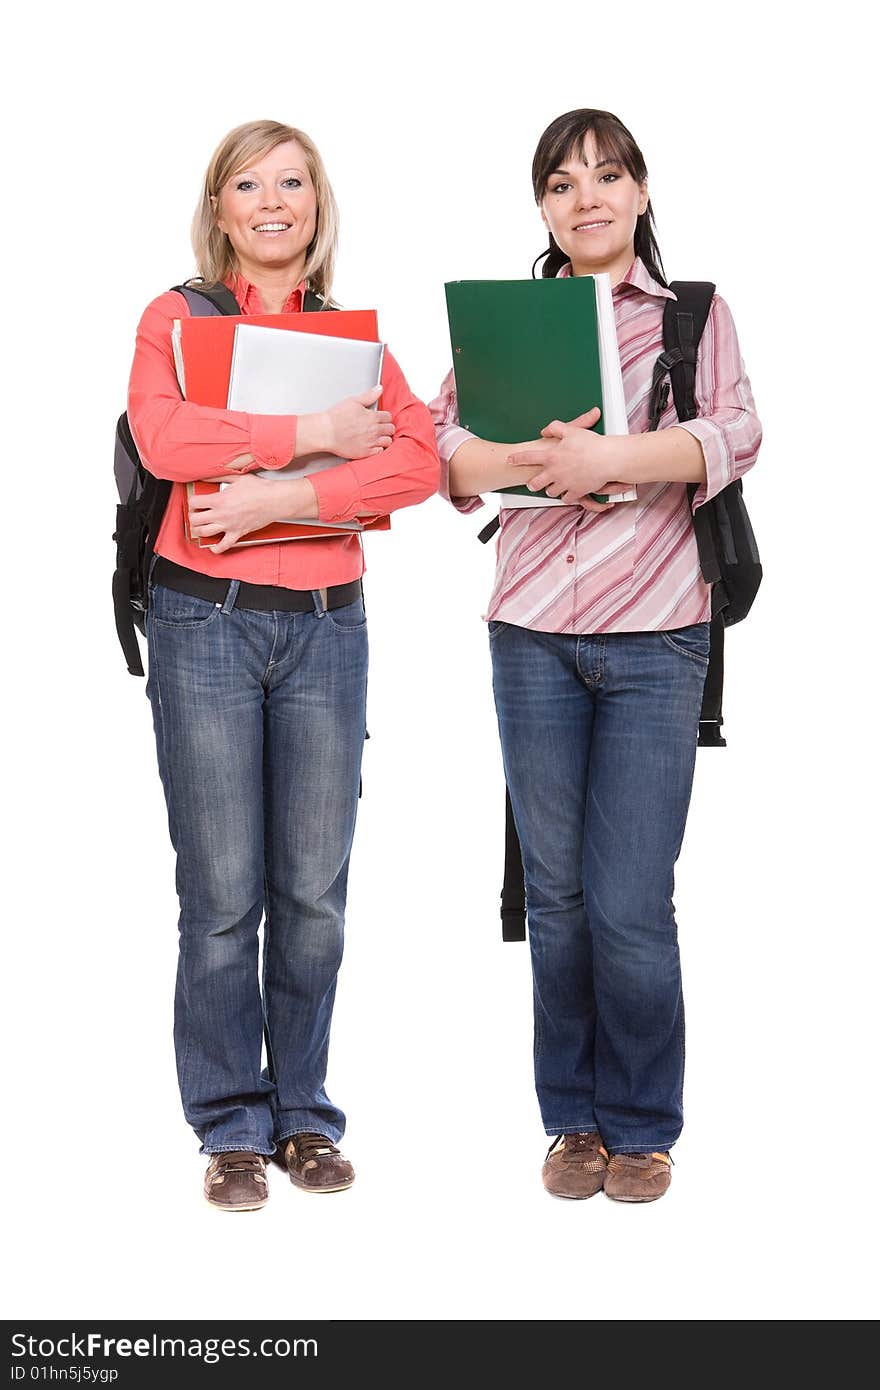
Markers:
point(590, 205)
point(269, 212)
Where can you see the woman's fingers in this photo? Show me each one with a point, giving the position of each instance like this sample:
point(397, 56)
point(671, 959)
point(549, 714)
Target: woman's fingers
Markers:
point(202, 523)
point(355, 429)
point(587, 420)
point(527, 458)
point(556, 428)
point(226, 543)
point(368, 397)
point(203, 501)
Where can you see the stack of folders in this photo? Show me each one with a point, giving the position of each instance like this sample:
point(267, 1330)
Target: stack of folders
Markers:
point(280, 364)
point(526, 352)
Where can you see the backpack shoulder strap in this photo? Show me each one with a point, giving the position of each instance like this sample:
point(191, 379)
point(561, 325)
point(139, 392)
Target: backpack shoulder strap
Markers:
point(313, 303)
point(143, 499)
point(204, 300)
point(222, 301)
point(684, 319)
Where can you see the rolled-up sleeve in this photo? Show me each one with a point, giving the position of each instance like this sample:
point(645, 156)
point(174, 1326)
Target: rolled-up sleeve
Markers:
point(728, 429)
point(450, 434)
point(405, 473)
point(182, 441)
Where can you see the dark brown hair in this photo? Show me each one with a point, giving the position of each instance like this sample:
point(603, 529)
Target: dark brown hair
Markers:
point(613, 141)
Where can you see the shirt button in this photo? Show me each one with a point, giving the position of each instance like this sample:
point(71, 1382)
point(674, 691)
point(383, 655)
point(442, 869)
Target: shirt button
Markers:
point(569, 559)
point(272, 460)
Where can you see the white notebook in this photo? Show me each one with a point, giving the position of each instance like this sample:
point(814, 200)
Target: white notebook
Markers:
point(277, 371)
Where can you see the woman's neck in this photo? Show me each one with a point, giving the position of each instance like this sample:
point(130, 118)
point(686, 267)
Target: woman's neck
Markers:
point(274, 286)
point(617, 268)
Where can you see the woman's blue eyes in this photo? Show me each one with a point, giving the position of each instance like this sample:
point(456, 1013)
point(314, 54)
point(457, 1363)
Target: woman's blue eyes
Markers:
point(245, 185)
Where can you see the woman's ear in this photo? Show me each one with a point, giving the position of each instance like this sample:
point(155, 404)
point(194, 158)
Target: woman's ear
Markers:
point(643, 197)
point(215, 208)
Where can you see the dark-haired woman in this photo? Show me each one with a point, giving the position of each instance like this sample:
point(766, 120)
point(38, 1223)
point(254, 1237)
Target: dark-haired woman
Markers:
point(258, 672)
point(599, 634)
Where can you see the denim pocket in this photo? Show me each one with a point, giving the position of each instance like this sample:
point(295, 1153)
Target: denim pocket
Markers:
point(496, 627)
point(168, 608)
point(351, 617)
point(692, 641)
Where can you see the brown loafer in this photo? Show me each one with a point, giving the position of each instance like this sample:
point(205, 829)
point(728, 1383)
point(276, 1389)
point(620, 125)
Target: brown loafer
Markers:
point(638, 1177)
point(237, 1181)
point(314, 1163)
point(575, 1166)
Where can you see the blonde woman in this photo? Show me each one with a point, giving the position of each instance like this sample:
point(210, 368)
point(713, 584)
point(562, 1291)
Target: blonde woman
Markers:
point(257, 680)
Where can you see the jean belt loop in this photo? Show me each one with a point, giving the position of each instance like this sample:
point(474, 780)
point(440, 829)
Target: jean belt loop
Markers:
point(319, 597)
point(231, 596)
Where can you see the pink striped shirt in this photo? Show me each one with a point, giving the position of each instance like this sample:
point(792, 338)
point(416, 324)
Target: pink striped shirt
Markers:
point(633, 568)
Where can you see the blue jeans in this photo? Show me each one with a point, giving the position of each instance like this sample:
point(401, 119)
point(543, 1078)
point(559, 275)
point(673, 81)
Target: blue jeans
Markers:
point(260, 723)
point(599, 735)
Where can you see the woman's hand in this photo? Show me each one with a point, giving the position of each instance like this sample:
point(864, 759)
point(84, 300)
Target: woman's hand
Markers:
point(574, 465)
point(354, 431)
point(247, 503)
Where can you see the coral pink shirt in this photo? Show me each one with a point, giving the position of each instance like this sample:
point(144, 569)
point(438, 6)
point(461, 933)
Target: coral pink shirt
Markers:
point(185, 442)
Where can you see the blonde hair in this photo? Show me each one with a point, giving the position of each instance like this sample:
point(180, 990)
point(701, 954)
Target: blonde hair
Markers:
point(215, 257)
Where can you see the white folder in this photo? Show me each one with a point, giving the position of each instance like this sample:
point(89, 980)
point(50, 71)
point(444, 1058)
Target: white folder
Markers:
point(277, 371)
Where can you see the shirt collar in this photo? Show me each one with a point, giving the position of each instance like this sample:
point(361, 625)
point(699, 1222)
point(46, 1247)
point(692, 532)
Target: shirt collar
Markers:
point(251, 302)
point(638, 276)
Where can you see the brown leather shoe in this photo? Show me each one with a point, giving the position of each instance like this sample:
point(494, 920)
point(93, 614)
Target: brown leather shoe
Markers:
point(637, 1177)
point(575, 1165)
point(237, 1181)
point(314, 1163)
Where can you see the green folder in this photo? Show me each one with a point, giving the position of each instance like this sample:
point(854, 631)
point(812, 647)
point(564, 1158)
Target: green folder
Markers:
point(526, 352)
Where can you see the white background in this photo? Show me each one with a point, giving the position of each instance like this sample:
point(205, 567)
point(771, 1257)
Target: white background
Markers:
point(751, 119)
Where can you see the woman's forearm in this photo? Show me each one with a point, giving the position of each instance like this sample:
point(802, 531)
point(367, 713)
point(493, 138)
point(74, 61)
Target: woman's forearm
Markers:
point(480, 465)
point(663, 456)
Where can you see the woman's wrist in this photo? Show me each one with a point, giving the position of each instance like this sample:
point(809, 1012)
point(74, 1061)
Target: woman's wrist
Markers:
point(293, 499)
point(312, 434)
point(480, 465)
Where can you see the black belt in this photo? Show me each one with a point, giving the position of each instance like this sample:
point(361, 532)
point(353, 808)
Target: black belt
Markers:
point(265, 598)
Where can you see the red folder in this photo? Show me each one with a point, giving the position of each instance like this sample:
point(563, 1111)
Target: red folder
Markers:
point(206, 344)
point(206, 347)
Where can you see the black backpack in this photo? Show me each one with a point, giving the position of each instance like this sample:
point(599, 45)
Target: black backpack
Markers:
point(728, 553)
point(725, 540)
point(143, 497)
